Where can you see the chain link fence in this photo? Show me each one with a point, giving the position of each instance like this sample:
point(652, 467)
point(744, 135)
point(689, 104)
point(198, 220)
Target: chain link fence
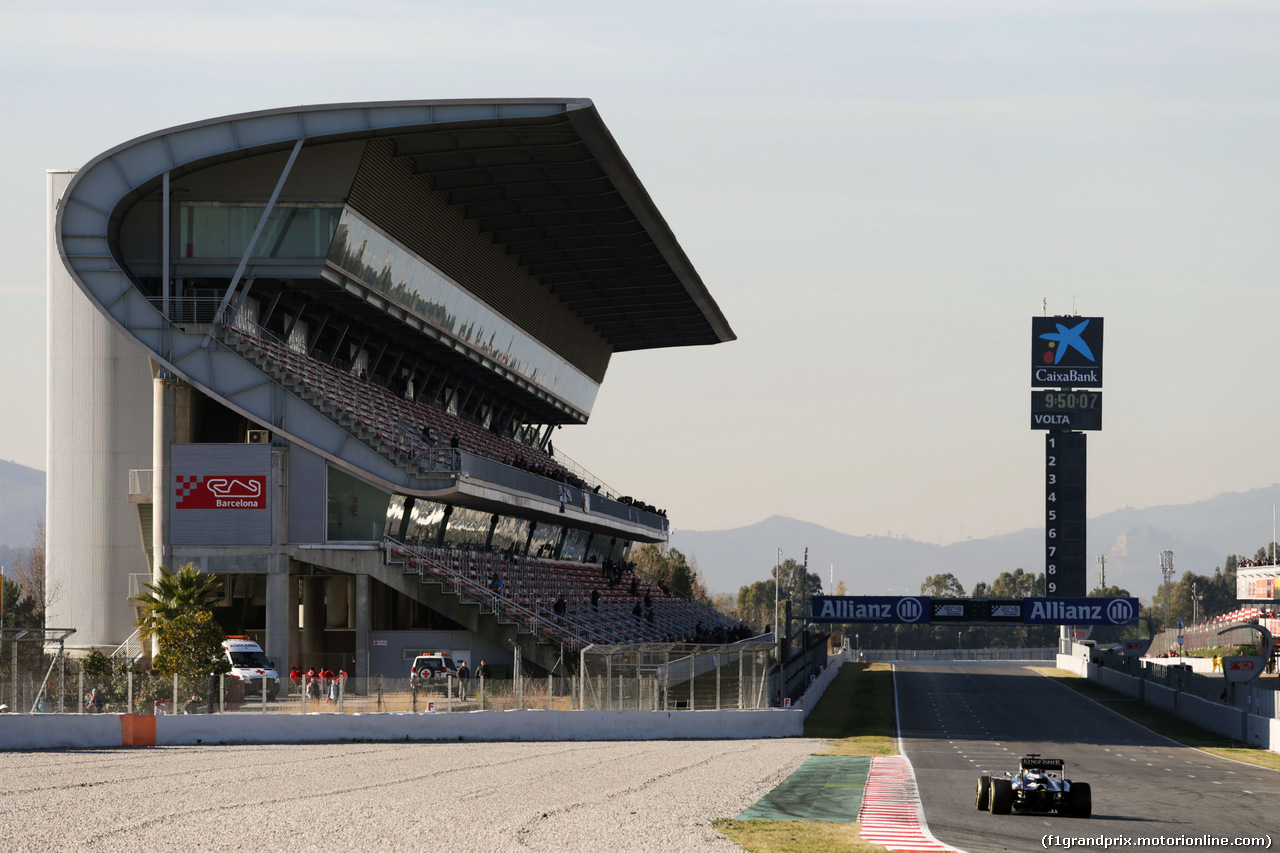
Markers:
point(678, 677)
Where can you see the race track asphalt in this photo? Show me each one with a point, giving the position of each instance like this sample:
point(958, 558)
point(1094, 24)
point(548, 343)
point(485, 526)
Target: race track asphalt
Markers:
point(961, 720)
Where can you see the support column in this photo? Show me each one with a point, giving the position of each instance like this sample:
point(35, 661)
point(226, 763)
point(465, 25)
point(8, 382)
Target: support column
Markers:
point(362, 626)
point(164, 399)
point(278, 601)
point(312, 618)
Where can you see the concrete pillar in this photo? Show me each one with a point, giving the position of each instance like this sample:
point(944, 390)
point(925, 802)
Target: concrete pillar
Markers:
point(162, 420)
point(312, 616)
point(336, 596)
point(278, 607)
point(362, 625)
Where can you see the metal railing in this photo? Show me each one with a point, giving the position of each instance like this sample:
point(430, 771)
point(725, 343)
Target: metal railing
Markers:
point(567, 629)
point(677, 677)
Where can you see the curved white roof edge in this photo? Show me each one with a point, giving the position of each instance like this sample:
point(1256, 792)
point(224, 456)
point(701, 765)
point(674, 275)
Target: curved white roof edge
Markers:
point(83, 240)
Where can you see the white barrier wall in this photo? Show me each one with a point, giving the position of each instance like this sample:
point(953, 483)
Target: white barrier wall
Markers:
point(50, 731)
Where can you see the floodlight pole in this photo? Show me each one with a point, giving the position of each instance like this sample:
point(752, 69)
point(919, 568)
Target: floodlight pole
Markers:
point(1166, 571)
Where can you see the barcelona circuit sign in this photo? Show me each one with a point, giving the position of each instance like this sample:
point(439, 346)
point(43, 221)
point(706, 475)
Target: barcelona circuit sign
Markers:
point(1066, 352)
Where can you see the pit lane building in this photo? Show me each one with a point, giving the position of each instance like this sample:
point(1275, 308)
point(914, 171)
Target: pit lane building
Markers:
point(321, 352)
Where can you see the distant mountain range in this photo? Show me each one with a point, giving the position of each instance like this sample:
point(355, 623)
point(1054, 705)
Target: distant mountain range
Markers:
point(21, 503)
point(1201, 535)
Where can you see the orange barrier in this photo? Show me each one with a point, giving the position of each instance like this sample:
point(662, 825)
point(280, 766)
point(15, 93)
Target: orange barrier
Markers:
point(137, 730)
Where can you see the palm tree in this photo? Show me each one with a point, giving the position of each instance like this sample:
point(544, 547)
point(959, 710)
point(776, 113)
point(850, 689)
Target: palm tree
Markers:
point(181, 593)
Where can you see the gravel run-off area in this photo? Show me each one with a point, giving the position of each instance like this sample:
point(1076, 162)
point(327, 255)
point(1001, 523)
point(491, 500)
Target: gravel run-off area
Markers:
point(564, 796)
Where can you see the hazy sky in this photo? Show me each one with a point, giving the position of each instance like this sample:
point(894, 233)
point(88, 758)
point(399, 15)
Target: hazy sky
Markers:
point(878, 194)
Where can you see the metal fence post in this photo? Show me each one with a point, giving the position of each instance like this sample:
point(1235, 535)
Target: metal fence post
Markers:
point(174, 708)
point(264, 694)
point(448, 693)
point(342, 694)
point(80, 692)
point(379, 692)
point(414, 706)
point(306, 688)
point(740, 657)
point(550, 693)
point(693, 676)
point(62, 680)
point(129, 706)
point(715, 659)
point(520, 690)
point(481, 694)
point(222, 693)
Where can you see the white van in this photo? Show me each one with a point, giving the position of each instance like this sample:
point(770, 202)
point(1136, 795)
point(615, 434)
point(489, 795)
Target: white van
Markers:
point(249, 664)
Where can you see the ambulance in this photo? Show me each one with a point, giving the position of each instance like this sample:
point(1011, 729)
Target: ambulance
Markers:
point(249, 664)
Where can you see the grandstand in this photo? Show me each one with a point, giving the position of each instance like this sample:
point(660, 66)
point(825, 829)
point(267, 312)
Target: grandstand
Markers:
point(322, 352)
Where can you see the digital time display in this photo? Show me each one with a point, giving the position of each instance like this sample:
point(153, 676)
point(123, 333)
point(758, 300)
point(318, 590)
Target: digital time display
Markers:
point(1066, 410)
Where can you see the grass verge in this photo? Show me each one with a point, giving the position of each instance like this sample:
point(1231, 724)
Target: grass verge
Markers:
point(795, 836)
point(856, 714)
point(1164, 723)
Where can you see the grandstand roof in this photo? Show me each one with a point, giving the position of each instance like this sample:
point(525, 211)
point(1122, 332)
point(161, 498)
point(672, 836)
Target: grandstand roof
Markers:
point(544, 179)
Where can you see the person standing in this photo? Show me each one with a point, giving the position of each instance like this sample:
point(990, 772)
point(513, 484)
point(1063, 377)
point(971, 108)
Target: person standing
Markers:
point(464, 676)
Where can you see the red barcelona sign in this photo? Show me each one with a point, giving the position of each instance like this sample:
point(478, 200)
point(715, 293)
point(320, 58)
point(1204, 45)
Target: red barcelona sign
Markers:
point(216, 492)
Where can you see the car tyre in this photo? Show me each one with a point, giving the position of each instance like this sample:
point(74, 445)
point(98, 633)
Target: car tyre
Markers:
point(1081, 800)
point(1001, 796)
point(984, 793)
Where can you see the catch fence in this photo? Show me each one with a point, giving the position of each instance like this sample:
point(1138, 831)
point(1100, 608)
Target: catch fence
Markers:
point(678, 677)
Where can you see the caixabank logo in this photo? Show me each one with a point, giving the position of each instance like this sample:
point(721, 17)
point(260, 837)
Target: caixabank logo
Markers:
point(197, 491)
point(1066, 352)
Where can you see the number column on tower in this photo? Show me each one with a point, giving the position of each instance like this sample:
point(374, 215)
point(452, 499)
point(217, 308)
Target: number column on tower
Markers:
point(1064, 512)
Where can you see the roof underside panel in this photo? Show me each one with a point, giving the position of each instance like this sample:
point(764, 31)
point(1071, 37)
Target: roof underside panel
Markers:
point(559, 198)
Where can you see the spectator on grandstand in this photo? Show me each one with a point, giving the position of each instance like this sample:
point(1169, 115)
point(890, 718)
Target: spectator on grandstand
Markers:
point(595, 599)
point(559, 607)
point(495, 583)
point(648, 600)
point(636, 611)
point(648, 614)
point(635, 585)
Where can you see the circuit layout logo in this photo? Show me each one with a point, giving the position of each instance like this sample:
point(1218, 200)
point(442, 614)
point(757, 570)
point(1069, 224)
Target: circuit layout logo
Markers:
point(198, 491)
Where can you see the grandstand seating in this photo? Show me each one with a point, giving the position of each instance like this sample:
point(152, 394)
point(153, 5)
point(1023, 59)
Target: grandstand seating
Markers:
point(391, 424)
point(530, 586)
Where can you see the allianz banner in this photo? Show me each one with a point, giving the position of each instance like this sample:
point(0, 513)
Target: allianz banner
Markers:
point(219, 494)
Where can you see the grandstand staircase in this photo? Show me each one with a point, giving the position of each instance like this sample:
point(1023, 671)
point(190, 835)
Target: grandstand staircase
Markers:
point(402, 448)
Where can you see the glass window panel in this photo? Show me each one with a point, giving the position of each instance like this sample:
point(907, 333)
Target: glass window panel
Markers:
point(575, 545)
point(223, 231)
point(425, 522)
point(468, 528)
point(511, 534)
point(544, 541)
point(377, 261)
point(357, 510)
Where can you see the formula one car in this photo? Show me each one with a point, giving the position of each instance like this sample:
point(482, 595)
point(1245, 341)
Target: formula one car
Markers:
point(1040, 785)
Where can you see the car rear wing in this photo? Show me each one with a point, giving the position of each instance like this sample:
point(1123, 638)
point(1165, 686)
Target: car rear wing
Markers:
point(1041, 764)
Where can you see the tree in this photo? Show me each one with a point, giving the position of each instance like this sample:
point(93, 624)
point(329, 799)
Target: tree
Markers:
point(942, 586)
point(191, 646)
point(183, 593)
point(669, 565)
